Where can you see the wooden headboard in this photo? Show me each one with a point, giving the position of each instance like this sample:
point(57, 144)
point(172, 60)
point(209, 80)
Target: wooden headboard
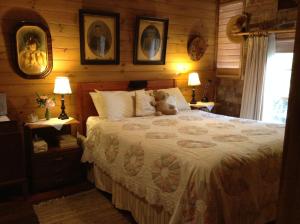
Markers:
point(85, 106)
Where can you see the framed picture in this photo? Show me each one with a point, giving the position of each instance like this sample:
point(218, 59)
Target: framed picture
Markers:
point(150, 41)
point(32, 50)
point(287, 4)
point(99, 37)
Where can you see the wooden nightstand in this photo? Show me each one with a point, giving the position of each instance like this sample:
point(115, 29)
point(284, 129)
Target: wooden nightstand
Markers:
point(57, 167)
point(204, 106)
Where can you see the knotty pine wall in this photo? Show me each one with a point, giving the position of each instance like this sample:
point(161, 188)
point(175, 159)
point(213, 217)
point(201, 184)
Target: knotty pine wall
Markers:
point(185, 18)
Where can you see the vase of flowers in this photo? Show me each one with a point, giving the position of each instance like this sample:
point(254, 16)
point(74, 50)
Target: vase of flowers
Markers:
point(47, 114)
point(46, 102)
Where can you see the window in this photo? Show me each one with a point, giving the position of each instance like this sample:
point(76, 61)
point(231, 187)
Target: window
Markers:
point(277, 86)
point(229, 53)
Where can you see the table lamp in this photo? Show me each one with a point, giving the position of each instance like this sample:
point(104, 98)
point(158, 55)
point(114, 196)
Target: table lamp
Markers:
point(62, 86)
point(194, 81)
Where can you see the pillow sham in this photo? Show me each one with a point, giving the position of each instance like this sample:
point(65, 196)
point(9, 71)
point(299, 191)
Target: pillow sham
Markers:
point(98, 103)
point(143, 105)
point(114, 105)
point(118, 104)
point(181, 103)
point(172, 101)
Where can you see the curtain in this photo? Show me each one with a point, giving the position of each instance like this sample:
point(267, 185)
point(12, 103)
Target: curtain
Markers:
point(260, 47)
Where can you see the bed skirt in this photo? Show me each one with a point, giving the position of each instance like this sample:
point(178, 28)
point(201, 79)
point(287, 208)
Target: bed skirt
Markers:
point(142, 212)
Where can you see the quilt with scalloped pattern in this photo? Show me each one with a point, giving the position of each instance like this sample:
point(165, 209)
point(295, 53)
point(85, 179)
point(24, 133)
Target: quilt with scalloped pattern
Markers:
point(197, 166)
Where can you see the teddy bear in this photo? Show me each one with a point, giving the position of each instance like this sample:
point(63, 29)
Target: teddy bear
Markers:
point(161, 105)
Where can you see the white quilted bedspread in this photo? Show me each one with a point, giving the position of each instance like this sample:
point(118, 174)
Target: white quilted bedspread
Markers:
point(197, 166)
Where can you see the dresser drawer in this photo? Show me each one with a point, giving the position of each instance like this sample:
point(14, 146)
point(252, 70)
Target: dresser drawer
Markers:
point(51, 165)
point(58, 180)
point(53, 170)
point(8, 127)
point(12, 159)
point(12, 164)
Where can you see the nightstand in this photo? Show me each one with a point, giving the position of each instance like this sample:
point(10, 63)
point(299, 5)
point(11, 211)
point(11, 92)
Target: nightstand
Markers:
point(58, 166)
point(204, 106)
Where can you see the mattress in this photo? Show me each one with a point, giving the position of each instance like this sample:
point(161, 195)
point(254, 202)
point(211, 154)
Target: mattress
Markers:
point(197, 166)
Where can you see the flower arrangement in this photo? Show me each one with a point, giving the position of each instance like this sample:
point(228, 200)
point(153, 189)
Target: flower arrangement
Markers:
point(47, 102)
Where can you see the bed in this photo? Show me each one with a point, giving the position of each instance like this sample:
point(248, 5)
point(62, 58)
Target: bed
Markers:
point(193, 167)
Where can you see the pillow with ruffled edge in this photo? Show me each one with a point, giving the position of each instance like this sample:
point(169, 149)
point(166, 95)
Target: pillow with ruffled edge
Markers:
point(114, 105)
point(143, 105)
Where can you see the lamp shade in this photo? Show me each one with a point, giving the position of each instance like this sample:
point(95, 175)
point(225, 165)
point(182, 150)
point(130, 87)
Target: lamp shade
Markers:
point(62, 86)
point(194, 79)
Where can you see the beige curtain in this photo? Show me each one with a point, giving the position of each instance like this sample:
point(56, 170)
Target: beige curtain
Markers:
point(256, 64)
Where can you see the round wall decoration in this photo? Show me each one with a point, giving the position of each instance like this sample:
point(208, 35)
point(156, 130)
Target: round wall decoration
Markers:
point(196, 48)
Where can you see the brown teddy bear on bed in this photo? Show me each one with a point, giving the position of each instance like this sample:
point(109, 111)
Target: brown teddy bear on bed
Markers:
point(161, 105)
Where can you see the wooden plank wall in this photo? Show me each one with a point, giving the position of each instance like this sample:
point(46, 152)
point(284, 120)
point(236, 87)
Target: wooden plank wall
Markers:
point(185, 18)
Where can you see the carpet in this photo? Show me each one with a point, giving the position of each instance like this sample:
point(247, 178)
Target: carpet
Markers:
point(90, 207)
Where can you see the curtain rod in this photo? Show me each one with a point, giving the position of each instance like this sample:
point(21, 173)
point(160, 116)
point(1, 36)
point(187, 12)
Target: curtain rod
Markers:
point(268, 31)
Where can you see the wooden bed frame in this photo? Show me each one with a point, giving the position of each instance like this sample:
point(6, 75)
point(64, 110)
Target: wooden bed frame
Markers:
point(85, 106)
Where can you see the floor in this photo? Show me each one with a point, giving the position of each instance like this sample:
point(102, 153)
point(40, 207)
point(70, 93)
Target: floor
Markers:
point(77, 204)
point(89, 207)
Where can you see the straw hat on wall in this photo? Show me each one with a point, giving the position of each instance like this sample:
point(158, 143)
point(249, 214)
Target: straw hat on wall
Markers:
point(235, 25)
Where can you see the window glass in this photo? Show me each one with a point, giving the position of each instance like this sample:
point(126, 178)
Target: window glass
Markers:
point(277, 86)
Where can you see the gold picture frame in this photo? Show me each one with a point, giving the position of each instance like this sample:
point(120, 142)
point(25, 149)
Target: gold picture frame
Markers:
point(32, 50)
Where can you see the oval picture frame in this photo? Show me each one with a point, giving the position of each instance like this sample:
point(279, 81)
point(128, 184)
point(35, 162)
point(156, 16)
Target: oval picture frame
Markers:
point(32, 50)
point(99, 37)
point(196, 48)
point(150, 43)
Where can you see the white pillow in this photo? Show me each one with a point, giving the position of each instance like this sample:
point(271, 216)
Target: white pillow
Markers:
point(181, 103)
point(143, 105)
point(98, 103)
point(172, 101)
point(117, 104)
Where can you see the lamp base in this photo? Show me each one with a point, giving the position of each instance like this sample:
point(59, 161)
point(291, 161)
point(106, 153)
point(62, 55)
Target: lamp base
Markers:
point(193, 101)
point(63, 116)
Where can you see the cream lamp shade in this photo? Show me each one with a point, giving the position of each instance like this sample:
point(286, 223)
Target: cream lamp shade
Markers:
point(62, 86)
point(194, 79)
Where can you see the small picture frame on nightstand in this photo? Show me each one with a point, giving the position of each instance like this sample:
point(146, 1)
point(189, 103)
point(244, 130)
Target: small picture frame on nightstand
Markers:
point(204, 106)
point(32, 118)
